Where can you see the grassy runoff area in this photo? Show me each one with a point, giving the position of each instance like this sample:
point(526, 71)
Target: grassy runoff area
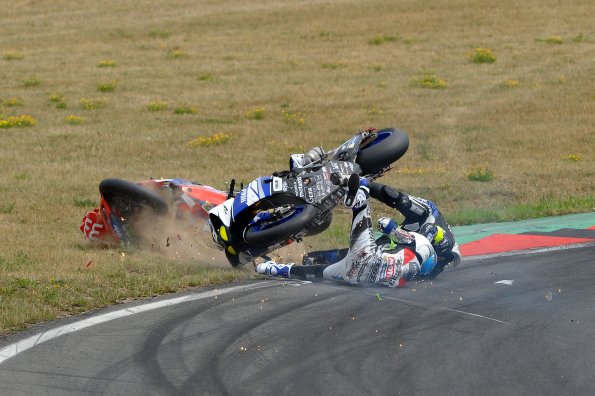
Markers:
point(497, 97)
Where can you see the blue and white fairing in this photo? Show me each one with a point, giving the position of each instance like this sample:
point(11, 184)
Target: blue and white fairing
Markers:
point(258, 189)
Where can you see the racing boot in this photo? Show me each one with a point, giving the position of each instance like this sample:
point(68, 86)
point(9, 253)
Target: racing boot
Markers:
point(273, 269)
point(456, 256)
point(416, 210)
point(357, 189)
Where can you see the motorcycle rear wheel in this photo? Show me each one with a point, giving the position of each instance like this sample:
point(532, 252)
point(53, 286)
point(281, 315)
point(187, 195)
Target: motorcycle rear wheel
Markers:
point(390, 145)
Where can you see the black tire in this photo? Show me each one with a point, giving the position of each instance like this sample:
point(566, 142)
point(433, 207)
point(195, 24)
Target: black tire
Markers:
point(129, 198)
point(283, 231)
point(390, 145)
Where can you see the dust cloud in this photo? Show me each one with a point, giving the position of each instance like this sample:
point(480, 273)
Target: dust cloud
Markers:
point(184, 239)
point(187, 238)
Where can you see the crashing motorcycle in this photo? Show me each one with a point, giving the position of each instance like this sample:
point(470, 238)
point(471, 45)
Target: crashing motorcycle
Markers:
point(126, 206)
point(269, 213)
point(274, 211)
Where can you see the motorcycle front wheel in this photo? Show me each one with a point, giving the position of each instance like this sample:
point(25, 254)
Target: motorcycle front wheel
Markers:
point(129, 199)
point(297, 217)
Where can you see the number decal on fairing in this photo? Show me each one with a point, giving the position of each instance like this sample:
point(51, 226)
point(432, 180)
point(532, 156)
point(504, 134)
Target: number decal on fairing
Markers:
point(277, 184)
point(93, 230)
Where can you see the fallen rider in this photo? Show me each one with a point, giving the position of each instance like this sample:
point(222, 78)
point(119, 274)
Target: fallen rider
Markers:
point(398, 256)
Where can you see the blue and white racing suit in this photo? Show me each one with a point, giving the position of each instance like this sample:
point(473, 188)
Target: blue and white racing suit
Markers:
point(390, 260)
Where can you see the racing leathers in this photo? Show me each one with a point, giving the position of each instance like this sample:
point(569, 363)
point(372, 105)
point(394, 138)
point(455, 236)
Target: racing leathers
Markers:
point(391, 260)
point(421, 216)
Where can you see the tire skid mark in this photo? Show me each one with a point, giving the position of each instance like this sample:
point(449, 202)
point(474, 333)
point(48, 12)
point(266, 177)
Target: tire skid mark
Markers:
point(213, 369)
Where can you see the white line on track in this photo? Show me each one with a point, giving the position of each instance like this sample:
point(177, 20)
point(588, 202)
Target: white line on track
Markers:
point(23, 345)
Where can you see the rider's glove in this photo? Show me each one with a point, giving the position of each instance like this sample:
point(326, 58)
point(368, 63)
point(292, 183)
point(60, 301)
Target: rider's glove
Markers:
point(389, 227)
point(386, 225)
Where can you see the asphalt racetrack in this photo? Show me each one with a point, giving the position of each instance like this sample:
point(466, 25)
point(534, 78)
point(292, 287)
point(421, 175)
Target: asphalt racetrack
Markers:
point(514, 324)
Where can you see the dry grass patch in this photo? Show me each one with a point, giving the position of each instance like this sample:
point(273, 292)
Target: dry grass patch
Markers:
point(177, 53)
point(12, 102)
point(93, 104)
point(162, 34)
point(266, 54)
point(13, 55)
point(158, 105)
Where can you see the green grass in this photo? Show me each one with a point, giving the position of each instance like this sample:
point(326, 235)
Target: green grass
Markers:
point(159, 105)
point(12, 102)
point(322, 70)
point(7, 208)
point(74, 120)
point(185, 109)
point(481, 174)
point(107, 86)
point(545, 207)
point(13, 55)
point(93, 103)
point(428, 80)
point(32, 81)
point(163, 34)
point(482, 55)
point(381, 39)
point(257, 113)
